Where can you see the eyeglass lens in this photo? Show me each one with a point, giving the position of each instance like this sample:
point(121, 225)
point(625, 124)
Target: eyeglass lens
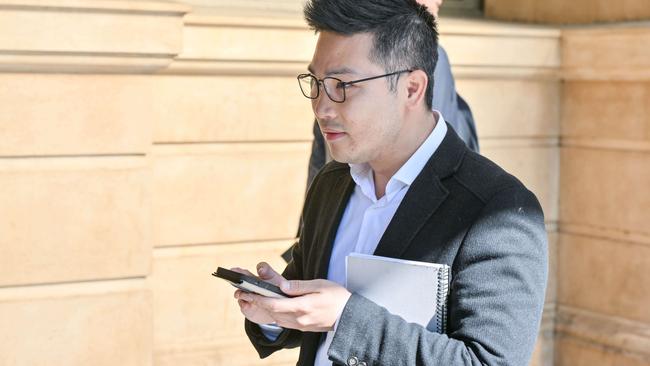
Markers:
point(310, 87)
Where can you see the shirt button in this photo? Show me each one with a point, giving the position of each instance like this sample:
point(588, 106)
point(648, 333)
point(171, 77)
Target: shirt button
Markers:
point(353, 361)
point(363, 363)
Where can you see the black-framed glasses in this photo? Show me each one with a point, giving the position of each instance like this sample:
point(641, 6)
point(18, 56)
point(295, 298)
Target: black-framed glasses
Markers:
point(310, 85)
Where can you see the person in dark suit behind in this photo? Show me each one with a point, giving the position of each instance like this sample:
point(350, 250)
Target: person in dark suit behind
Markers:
point(402, 185)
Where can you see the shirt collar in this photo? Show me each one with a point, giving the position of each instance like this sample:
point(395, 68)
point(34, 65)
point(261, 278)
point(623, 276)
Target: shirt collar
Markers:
point(362, 173)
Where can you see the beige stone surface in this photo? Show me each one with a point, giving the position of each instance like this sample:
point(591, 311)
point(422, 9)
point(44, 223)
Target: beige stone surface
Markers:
point(604, 276)
point(553, 279)
point(606, 53)
point(196, 319)
point(89, 36)
point(605, 47)
point(269, 7)
point(75, 114)
point(449, 25)
point(220, 193)
point(510, 51)
point(536, 165)
point(574, 352)
point(94, 323)
point(230, 108)
point(604, 331)
point(605, 189)
point(236, 352)
point(67, 219)
point(102, 31)
point(513, 108)
point(264, 43)
point(559, 11)
point(112, 6)
point(606, 110)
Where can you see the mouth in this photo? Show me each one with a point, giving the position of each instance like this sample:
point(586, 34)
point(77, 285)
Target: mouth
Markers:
point(333, 135)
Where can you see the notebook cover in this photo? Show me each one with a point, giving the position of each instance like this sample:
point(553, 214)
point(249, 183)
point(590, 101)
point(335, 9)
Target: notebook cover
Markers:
point(415, 291)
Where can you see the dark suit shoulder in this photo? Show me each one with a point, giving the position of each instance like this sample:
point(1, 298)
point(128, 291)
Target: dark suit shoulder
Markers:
point(334, 167)
point(484, 178)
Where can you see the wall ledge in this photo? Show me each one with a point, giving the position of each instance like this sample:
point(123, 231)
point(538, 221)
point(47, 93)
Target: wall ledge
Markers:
point(606, 331)
point(77, 36)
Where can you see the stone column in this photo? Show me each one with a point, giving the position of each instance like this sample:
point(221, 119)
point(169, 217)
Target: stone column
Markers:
point(604, 256)
point(603, 316)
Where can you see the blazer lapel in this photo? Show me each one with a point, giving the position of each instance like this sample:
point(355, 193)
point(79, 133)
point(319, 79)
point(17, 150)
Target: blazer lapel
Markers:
point(421, 201)
point(423, 197)
point(334, 213)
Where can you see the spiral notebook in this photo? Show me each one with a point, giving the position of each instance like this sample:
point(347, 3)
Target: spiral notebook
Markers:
point(415, 291)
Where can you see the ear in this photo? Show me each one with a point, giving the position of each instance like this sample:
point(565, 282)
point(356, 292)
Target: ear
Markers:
point(416, 88)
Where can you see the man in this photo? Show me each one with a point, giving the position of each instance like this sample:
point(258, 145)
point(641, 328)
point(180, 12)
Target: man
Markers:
point(445, 99)
point(402, 185)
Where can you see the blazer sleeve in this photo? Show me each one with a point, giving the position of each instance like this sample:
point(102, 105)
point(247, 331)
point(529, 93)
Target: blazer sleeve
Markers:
point(495, 303)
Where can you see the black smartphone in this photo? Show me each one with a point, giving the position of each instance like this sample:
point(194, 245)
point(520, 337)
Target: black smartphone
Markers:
point(249, 283)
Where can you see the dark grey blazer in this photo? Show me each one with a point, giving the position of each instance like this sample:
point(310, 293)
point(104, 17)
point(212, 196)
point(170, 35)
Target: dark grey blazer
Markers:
point(461, 210)
point(445, 99)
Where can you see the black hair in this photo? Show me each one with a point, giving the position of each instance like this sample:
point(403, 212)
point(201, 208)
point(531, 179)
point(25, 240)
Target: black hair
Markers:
point(404, 32)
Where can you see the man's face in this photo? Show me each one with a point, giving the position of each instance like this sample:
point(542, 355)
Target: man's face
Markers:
point(364, 127)
point(433, 5)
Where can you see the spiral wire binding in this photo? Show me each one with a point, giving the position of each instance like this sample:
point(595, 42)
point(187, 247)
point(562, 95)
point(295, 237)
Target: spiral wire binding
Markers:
point(441, 299)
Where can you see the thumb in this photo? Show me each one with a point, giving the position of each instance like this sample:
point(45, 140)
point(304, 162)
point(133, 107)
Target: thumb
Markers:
point(297, 288)
point(267, 273)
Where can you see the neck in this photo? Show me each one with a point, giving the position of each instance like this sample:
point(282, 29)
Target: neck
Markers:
point(399, 153)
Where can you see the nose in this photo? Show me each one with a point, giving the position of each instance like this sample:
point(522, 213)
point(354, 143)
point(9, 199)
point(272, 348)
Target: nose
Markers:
point(324, 107)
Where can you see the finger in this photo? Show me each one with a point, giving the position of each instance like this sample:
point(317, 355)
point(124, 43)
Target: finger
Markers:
point(242, 271)
point(243, 306)
point(245, 296)
point(238, 293)
point(297, 288)
point(267, 273)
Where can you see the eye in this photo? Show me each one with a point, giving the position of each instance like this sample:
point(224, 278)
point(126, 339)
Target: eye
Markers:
point(342, 85)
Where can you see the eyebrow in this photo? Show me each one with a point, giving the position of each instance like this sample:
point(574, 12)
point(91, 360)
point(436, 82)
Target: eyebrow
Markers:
point(339, 71)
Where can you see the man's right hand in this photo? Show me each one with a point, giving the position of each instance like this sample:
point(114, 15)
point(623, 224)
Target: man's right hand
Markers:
point(251, 311)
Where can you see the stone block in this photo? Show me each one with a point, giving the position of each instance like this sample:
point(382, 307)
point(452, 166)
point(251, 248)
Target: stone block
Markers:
point(217, 40)
point(230, 108)
point(606, 110)
point(70, 219)
point(576, 352)
point(220, 193)
point(94, 323)
point(563, 12)
point(605, 188)
point(604, 276)
point(50, 114)
point(103, 28)
point(526, 108)
point(196, 319)
point(505, 49)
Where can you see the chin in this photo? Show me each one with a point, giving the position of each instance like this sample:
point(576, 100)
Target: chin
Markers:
point(341, 158)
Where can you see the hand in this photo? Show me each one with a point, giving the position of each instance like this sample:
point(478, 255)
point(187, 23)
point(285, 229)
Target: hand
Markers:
point(250, 311)
point(316, 308)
